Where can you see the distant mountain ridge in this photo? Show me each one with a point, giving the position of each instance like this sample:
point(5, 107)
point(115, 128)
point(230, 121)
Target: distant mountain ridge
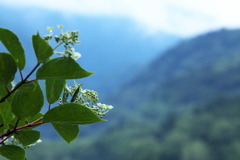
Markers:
point(182, 70)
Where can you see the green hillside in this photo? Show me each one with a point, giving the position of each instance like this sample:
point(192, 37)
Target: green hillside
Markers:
point(184, 106)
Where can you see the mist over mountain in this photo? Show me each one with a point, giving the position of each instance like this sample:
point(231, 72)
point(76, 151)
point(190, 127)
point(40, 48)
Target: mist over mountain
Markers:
point(110, 46)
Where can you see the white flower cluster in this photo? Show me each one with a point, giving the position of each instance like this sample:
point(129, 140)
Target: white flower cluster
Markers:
point(86, 97)
point(69, 38)
point(90, 95)
point(104, 106)
point(101, 109)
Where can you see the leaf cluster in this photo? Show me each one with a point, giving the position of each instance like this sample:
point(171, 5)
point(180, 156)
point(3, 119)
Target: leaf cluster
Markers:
point(21, 104)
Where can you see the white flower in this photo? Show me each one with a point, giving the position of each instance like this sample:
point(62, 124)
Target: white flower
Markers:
point(110, 107)
point(33, 144)
point(104, 106)
point(39, 141)
point(75, 55)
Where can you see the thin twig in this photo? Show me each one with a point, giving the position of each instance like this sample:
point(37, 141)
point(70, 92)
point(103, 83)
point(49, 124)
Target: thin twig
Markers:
point(30, 81)
point(21, 75)
point(39, 119)
point(49, 106)
point(15, 127)
point(57, 46)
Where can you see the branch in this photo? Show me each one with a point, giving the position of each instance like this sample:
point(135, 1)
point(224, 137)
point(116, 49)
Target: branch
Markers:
point(4, 139)
point(21, 75)
point(20, 84)
point(6, 135)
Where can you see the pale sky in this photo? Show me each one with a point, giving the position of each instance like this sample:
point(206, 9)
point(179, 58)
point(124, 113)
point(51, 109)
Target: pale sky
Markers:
point(181, 17)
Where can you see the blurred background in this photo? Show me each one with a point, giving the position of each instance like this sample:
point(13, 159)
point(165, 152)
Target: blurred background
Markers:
point(170, 68)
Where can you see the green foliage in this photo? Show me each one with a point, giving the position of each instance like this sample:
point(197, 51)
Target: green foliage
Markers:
point(26, 105)
point(68, 132)
point(7, 115)
point(13, 45)
point(27, 137)
point(62, 68)
point(21, 104)
point(42, 49)
point(71, 113)
point(8, 68)
point(12, 152)
point(54, 88)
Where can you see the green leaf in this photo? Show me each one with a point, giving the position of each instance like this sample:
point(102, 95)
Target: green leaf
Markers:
point(27, 87)
point(54, 88)
point(62, 68)
point(42, 49)
point(8, 68)
point(13, 45)
point(5, 110)
point(4, 92)
point(1, 123)
point(71, 113)
point(50, 28)
point(60, 26)
point(26, 105)
point(27, 137)
point(12, 152)
point(66, 131)
point(75, 95)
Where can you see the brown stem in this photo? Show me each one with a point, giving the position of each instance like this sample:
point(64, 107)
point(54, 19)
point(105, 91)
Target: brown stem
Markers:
point(30, 81)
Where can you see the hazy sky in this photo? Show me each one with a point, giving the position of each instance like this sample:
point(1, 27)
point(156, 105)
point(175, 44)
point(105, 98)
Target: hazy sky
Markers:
point(182, 17)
